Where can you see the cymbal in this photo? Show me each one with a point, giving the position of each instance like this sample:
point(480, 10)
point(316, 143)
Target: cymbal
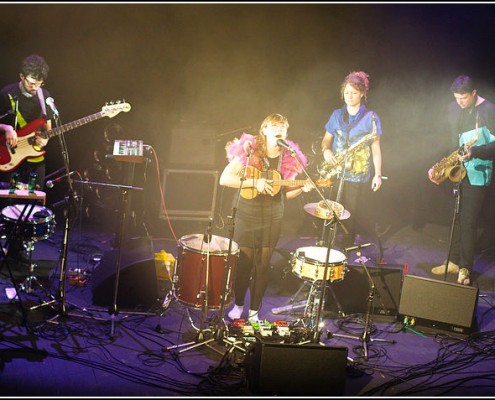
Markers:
point(325, 209)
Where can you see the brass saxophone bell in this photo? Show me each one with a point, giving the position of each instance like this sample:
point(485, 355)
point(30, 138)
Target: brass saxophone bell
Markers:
point(456, 173)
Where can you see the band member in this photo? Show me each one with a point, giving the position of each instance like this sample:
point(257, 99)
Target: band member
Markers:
point(353, 130)
point(472, 123)
point(23, 102)
point(20, 103)
point(253, 162)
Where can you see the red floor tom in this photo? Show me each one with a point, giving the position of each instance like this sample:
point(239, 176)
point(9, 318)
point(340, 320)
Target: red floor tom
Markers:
point(192, 264)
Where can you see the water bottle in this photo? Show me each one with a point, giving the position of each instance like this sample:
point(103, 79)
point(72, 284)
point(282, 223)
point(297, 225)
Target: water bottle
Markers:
point(14, 178)
point(32, 182)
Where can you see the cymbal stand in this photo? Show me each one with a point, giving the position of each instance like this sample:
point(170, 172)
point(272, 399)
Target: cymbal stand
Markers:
point(200, 337)
point(331, 238)
point(365, 337)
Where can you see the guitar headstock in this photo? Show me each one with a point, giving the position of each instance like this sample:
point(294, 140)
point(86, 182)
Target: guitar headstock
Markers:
point(324, 183)
point(112, 109)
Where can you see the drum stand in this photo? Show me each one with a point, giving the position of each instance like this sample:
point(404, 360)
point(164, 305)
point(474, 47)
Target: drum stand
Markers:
point(365, 337)
point(12, 236)
point(293, 306)
point(31, 279)
point(200, 339)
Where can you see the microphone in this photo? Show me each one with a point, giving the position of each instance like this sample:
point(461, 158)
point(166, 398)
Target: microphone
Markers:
point(52, 105)
point(284, 144)
point(248, 148)
point(358, 247)
point(51, 183)
point(207, 237)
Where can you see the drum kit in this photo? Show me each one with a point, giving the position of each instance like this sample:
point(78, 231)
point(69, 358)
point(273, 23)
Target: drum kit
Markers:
point(23, 225)
point(199, 279)
point(206, 263)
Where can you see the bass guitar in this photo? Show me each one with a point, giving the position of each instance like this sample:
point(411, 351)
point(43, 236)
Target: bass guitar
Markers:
point(26, 147)
point(276, 181)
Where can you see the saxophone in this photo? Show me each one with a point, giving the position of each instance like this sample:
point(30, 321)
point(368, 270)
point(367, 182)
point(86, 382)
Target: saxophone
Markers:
point(450, 167)
point(327, 170)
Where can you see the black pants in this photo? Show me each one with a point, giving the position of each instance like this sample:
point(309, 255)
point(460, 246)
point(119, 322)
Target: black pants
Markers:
point(465, 230)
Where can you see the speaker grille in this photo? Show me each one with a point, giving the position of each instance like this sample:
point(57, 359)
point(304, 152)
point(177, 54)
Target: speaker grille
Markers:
point(450, 304)
point(291, 369)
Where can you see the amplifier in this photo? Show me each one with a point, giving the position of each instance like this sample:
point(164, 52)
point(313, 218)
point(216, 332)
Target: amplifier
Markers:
point(439, 306)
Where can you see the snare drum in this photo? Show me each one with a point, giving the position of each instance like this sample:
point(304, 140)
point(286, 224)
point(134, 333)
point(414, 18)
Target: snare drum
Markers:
point(309, 263)
point(192, 263)
point(40, 224)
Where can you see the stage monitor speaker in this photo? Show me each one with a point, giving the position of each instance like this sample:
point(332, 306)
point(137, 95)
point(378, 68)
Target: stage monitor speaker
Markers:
point(293, 369)
point(138, 285)
point(439, 305)
point(353, 291)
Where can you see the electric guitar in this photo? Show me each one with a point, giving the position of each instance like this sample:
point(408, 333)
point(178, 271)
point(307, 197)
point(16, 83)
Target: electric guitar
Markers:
point(277, 183)
point(10, 158)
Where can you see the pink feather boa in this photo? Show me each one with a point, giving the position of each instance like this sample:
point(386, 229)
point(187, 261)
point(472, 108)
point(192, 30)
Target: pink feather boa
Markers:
point(290, 167)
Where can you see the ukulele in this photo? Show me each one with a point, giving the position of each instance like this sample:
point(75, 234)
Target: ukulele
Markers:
point(277, 182)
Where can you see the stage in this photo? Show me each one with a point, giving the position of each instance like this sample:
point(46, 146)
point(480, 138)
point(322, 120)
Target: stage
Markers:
point(154, 343)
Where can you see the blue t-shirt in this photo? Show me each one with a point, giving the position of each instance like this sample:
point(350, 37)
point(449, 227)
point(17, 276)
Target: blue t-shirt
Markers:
point(343, 127)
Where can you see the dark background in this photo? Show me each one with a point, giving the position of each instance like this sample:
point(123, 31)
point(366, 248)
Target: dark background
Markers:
point(198, 75)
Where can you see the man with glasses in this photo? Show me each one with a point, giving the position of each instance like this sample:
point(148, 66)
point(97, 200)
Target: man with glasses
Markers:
point(20, 103)
point(23, 102)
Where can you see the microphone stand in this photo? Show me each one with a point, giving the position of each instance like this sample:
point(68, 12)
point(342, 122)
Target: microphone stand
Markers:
point(221, 326)
point(457, 204)
point(365, 337)
point(71, 213)
point(113, 310)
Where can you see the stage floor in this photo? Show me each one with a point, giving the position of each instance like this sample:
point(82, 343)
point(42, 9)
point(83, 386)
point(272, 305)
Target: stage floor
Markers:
point(71, 346)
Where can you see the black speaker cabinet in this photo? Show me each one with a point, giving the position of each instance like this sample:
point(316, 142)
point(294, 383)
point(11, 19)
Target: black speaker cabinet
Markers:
point(292, 369)
point(439, 305)
point(137, 278)
point(352, 292)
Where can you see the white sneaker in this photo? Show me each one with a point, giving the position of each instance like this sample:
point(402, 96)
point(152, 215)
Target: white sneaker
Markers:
point(236, 312)
point(440, 270)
